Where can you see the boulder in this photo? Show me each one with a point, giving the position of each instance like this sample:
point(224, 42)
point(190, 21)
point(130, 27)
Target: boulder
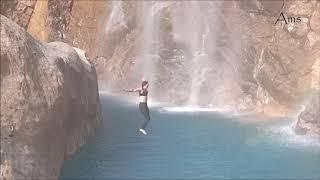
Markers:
point(309, 119)
point(49, 104)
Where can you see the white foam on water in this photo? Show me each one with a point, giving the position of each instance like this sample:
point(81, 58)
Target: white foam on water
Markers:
point(282, 134)
point(285, 135)
point(163, 106)
point(290, 137)
point(181, 109)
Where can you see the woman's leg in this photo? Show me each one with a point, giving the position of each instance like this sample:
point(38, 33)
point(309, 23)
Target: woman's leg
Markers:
point(145, 111)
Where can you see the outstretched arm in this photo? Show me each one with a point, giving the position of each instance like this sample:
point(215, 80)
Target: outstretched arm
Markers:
point(132, 90)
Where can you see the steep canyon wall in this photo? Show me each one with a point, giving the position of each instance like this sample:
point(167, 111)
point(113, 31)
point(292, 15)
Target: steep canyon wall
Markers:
point(49, 104)
point(227, 54)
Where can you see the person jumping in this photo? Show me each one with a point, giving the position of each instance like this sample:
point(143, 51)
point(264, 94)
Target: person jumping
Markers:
point(143, 105)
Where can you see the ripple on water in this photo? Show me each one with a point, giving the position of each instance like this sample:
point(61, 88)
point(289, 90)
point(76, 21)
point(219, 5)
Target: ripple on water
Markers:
point(178, 147)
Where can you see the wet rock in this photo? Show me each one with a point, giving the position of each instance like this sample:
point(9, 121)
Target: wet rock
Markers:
point(309, 119)
point(315, 74)
point(299, 8)
point(282, 71)
point(313, 40)
point(273, 75)
point(49, 104)
point(263, 7)
point(284, 56)
point(299, 30)
point(315, 20)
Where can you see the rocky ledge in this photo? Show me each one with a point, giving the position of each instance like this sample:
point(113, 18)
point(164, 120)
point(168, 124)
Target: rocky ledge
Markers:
point(49, 104)
point(309, 119)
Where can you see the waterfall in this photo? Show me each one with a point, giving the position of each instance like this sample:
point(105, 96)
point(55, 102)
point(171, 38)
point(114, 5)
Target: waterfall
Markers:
point(116, 18)
point(147, 52)
point(177, 46)
point(150, 41)
point(194, 22)
point(198, 73)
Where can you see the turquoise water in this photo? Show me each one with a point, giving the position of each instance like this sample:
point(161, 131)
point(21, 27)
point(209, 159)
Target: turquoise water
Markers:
point(191, 145)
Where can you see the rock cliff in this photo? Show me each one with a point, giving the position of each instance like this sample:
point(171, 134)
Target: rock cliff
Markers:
point(19, 11)
point(228, 54)
point(260, 65)
point(71, 21)
point(284, 59)
point(309, 119)
point(49, 104)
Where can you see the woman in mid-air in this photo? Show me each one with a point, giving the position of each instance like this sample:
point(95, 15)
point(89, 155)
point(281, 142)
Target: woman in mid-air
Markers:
point(143, 106)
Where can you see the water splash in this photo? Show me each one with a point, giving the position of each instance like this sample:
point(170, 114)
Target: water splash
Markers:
point(284, 135)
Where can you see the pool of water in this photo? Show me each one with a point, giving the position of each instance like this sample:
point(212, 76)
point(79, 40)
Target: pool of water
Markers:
point(191, 144)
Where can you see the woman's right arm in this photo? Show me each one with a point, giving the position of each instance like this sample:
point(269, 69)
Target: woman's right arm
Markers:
point(132, 90)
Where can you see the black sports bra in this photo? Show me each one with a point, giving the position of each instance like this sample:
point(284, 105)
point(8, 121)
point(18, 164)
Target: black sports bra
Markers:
point(143, 93)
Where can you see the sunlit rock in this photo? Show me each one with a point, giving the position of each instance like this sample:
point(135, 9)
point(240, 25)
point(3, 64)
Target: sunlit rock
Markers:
point(49, 104)
point(299, 8)
point(315, 19)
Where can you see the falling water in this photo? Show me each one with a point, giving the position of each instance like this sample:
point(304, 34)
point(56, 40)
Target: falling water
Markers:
point(199, 73)
point(116, 18)
point(194, 22)
point(147, 52)
point(175, 46)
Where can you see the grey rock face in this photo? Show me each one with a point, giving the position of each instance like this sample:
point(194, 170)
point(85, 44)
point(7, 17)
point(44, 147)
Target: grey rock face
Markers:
point(257, 62)
point(283, 53)
point(49, 104)
point(59, 18)
point(309, 119)
point(19, 11)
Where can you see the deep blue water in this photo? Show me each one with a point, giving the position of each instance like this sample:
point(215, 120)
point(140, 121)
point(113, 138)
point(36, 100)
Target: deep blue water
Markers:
point(191, 145)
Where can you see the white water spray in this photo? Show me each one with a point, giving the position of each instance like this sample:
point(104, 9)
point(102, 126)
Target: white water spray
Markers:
point(175, 48)
point(193, 21)
point(147, 52)
point(116, 18)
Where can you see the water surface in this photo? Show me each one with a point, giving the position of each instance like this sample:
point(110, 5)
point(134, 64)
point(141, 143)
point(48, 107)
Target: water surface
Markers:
point(191, 144)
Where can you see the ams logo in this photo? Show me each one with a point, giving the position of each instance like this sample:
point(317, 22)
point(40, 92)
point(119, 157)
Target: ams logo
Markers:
point(287, 20)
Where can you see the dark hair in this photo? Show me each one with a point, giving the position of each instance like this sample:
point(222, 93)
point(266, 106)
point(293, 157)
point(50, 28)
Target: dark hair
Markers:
point(144, 83)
